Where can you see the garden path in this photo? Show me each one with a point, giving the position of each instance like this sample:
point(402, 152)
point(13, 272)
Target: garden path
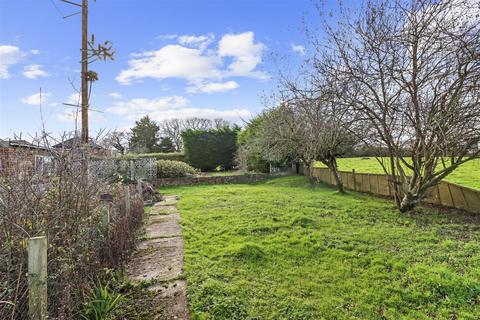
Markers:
point(158, 262)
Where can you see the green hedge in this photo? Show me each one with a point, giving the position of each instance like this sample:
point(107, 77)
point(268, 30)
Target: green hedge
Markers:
point(174, 156)
point(209, 149)
point(173, 169)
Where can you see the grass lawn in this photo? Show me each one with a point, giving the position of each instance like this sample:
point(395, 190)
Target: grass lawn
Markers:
point(281, 249)
point(467, 175)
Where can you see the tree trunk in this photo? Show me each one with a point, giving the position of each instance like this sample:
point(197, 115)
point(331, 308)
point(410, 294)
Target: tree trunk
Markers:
point(408, 203)
point(310, 176)
point(332, 165)
point(338, 181)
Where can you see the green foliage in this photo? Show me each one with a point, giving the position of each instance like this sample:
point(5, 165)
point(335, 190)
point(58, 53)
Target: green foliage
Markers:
point(246, 139)
point(144, 137)
point(468, 174)
point(100, 304)
point(208, 149)
point(173, 169)
point(282, 249)
point(176, 156)
point(166, 145)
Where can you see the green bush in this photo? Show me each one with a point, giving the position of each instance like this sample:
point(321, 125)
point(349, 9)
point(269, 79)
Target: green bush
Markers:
point(209, 149)
point(173, 169)
point(175, 156)
point(101, 303)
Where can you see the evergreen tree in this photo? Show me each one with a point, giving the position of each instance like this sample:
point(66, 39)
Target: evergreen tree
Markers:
point(166, 145)
point(144, 137)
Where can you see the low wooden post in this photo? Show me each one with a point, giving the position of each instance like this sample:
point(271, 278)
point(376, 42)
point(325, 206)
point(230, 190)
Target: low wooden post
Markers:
point(127, 199)
point(37, 278)
point(139, 186)
point(354, 180)
point(132, 170)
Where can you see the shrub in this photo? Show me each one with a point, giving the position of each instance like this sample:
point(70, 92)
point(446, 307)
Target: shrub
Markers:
point(208, 149)
point(86, 236)
point(173, 169)
point(101, 303)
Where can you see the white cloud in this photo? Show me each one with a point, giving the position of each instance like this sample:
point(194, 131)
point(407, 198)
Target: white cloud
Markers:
point(74, 98)
point(200, 42)
point(74, 116)
point(34, 51)
point(298, 49)
point(211, 87)
point(34, 99)
point(245, 52)
point(171, 107)
point(193, 61)
point(167, 37)
point(115, 95)
point(234, 115)
point(171, 61)
point(33, 71)
point(9, 56)
point(68, 116)
point(139, 105)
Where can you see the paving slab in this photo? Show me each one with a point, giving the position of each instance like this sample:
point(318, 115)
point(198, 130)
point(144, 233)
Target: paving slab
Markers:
point(167, 201)
point(157, 260)
point(174, 296)
point(162, 210)
point(163, 227)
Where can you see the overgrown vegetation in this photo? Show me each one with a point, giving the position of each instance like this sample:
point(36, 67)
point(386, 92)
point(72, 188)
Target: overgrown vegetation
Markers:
point(86, 236)
point(173, 169)
point(282, 249)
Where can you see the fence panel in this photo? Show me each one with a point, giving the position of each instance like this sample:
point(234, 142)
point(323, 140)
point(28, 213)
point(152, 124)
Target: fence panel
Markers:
point(383, 185)
point(445, 194)
point(473, 199)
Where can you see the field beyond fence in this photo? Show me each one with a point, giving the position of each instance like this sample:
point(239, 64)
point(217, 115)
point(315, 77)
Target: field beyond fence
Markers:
point(444, 194)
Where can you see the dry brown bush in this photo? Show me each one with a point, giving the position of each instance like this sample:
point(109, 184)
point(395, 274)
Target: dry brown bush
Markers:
point(61, 199)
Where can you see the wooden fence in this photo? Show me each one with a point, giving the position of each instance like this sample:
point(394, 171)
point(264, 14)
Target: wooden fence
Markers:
point(445, 194)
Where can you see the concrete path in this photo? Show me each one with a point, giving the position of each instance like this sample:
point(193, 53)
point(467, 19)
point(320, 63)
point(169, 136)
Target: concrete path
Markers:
point(159, 260)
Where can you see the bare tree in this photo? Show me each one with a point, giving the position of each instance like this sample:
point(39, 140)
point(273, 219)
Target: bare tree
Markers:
point(309, 125)
point(412, 69)
point(173, 128)
point(117, 140)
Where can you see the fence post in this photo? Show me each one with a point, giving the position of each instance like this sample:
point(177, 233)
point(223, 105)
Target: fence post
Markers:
point(37, 278)
point(139, 186)
point(354, 180)
point(132, 170)
point(127, 199)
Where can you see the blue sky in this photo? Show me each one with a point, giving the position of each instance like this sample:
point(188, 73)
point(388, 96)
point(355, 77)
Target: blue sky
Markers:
point(174, 58)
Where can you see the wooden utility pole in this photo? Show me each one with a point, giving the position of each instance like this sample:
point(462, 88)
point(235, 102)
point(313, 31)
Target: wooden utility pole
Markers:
point(84, 88)
point(101, 52)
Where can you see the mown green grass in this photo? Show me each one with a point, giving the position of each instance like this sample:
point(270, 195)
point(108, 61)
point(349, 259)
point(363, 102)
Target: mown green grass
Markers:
point(284, 250)
point(467, 174)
